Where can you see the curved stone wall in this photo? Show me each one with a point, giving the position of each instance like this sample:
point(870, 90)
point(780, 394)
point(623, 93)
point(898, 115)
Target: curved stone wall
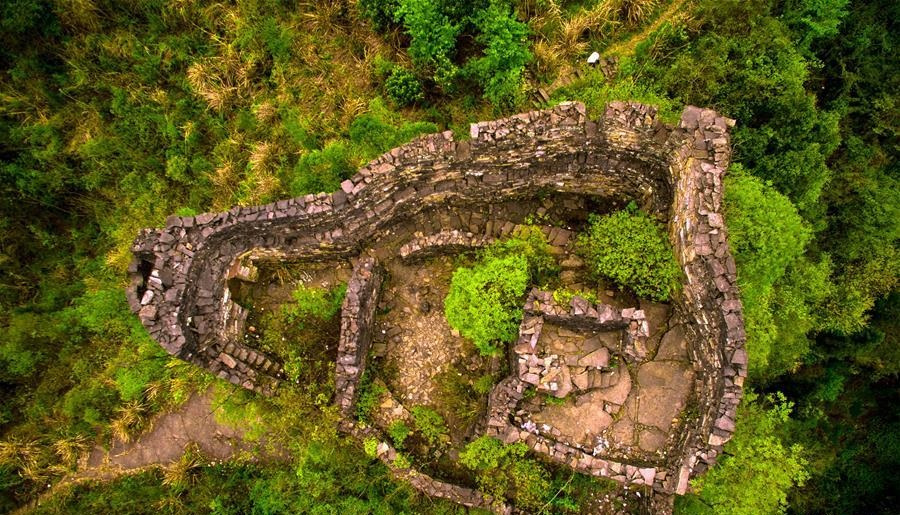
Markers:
point(178, 289)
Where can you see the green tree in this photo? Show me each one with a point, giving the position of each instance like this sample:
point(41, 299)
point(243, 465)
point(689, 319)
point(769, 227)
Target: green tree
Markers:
point(758, 469)
point(432, 38)
point(632, 250)
point(506, 52)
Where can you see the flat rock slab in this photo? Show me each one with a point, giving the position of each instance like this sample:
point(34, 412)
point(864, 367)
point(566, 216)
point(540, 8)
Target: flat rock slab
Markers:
point(651, 439)
point(673, 345)
point(576, 424)
point(596, 359)
point(662, 391)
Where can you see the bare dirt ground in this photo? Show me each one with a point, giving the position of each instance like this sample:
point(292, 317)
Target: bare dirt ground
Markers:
point(421, 344)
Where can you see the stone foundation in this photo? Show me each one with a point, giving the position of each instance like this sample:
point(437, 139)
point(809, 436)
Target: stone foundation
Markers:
point(177, 279)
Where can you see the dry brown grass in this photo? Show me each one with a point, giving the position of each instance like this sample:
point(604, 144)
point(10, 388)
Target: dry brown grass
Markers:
point(563, 38)
point(222, 80)
point(183, 472)
point(132, 418)
point(635, 12)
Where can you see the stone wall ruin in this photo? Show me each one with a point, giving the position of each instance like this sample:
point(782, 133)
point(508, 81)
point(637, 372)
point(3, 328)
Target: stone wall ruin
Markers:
point(177, 278)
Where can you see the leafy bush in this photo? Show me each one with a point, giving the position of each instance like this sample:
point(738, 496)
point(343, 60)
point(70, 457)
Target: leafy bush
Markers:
point(404, 87)
point(379, 12)
point(399, 432)
point(322, 170)
point(430, 424)
point(758, 468)
point(432, 38)
point(500, 70)
point(380, 130)
point(527, 241)
point(632, 250)
point(504, 471)
point(780, 289)
point(483, 302)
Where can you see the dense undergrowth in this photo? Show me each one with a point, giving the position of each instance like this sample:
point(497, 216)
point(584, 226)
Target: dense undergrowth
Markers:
point(115, 114)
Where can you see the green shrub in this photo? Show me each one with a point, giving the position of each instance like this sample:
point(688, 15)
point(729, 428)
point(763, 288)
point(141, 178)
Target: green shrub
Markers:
point(430, 424)
point(483, 302)
point(527, 241)
point(500, 69)
point(780, 288)
point(432, 38)
point(504, 471)
point(632, 250)
point(404, 87)
point(398, 431)
point(759, 467)
point(381, 129)
point(322, 170)
point(379, 12)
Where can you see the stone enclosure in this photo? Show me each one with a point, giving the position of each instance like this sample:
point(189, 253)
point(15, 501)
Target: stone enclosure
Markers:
point(437, 196)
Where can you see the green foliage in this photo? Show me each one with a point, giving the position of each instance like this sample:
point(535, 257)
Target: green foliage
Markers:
point(432, 38)
point(401, 461)
point(484, 384)
point(377, 131)
point(314, 303)
point(323, 479)
point(632, 250)
point(370, 394)
point(596, 92)
point(370, 446)
point(564, 296)
point(503, 470)
point(322, 170)
point(529, 242)
point(404, 88)
point(500, 70)
point(759, 468)
point(398, 431)
point(430, 424)
point(483, 301)
point(780, 288)
point(379, 12)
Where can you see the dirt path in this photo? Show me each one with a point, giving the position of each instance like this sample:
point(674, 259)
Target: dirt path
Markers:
point(626, 48)
point(193, 423)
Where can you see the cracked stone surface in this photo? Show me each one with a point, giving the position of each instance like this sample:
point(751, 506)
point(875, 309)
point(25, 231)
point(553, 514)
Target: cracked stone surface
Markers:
point(627, 409)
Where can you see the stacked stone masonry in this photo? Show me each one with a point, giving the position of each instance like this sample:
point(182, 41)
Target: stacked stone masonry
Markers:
point(177, 278)
point(357, 320)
